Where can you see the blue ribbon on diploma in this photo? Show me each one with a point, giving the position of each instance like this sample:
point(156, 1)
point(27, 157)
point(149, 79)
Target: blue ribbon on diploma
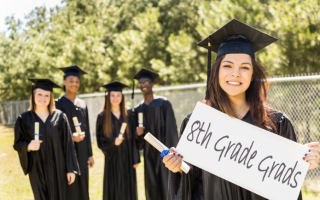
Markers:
point(37, 134)
point(165, 152)
point(78, 125)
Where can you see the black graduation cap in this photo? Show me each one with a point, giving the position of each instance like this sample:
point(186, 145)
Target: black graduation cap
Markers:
point(113, 86)
point(73, 70)
point(42, 83)
point(234, 37)
point(144, 73)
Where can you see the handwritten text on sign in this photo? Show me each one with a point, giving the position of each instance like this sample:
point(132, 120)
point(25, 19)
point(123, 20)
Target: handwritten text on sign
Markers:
point(255, 159)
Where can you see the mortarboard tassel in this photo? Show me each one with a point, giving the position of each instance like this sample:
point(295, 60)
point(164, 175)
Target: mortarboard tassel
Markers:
point(208, 67)
point(132, 96)
point(32, 97)
point(105, 100)
point(64, 87)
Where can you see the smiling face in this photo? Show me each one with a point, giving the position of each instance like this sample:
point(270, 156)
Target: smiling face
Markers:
point(42, 97)
point(115, 98)
point(145, 85)
point(72, 84)
point(235, 74)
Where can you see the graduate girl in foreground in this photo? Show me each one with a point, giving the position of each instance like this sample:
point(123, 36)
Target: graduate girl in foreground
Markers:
point(50, 162)
point(121, 154)
point(236, 86)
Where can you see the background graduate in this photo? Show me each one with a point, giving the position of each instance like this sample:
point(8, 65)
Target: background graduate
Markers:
point(75, 107)
point(159, 120)
point(51, 161)
point(236, 86)
point(121, 154)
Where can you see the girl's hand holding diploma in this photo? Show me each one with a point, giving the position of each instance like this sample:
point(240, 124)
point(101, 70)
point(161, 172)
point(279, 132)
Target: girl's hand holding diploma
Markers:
point(71, 177)
point(34, 145)
point(140, 130)
point(173, 161)
point(78, 138)
point(135, 166)
point(118, 141)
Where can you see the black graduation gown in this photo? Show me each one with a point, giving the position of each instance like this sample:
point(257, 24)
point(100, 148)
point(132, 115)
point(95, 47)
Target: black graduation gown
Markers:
point(80, 188)
point(47, 167)
point(201, 185)
point(159, 120)
point(119, 180)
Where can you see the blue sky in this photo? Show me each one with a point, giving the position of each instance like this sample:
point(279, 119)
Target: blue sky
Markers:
point(20, 8)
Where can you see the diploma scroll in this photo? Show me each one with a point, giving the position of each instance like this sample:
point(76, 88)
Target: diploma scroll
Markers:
point(140, 115)
point(160, 147)
point(122, 130)
point(77, 125)
point(36, 131)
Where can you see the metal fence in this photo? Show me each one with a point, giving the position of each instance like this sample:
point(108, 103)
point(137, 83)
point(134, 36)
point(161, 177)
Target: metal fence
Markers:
point(298, 97)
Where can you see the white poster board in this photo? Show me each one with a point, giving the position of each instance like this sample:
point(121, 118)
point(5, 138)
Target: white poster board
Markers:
point(255, 159)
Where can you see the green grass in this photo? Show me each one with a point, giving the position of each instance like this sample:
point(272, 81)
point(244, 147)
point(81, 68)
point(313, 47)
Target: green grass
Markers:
point(14, 185)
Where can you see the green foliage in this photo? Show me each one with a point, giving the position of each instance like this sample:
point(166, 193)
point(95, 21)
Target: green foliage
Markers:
point(112, 39)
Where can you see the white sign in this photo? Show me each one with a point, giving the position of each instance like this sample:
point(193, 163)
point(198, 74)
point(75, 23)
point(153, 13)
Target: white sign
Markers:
point(248, 156)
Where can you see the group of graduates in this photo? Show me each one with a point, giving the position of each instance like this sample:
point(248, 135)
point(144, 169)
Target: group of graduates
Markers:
point(58, 163)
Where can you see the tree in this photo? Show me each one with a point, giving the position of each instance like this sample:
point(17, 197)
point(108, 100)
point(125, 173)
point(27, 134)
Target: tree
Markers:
point(112, 39)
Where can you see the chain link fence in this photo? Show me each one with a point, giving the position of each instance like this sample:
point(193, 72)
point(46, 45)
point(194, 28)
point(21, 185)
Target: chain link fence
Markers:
point(298, 97)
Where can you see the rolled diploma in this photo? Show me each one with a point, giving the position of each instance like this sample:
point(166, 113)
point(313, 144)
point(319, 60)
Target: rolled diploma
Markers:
point(140, 115)
point(36, 130)
point(122, 130)
point(76, 125)
point(158, 145)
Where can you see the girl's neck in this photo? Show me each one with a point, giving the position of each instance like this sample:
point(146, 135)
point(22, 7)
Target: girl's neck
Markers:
point(115, 109)
point(41, 110)
point(239, 105)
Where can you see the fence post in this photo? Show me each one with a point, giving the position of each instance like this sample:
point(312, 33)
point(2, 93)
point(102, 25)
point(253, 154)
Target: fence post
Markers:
point(10, 116)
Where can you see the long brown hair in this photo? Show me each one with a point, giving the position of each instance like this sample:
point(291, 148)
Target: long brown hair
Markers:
point(107, 117)
point(256, 95)
point(51, 105)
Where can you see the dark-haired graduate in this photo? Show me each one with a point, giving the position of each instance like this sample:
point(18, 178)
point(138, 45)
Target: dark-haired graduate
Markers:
point(236, 86)
point(121, 153)
point(75, 107)
point(46, 153)
point(159, 120)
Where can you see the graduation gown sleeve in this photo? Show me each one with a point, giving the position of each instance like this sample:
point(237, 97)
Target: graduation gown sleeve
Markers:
point(88, 135)
point(285, 128)
point(132, 128)
point(170, 136)
point(183, 186)
point(21, 145)
point(106, 144)
point(68, 147)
